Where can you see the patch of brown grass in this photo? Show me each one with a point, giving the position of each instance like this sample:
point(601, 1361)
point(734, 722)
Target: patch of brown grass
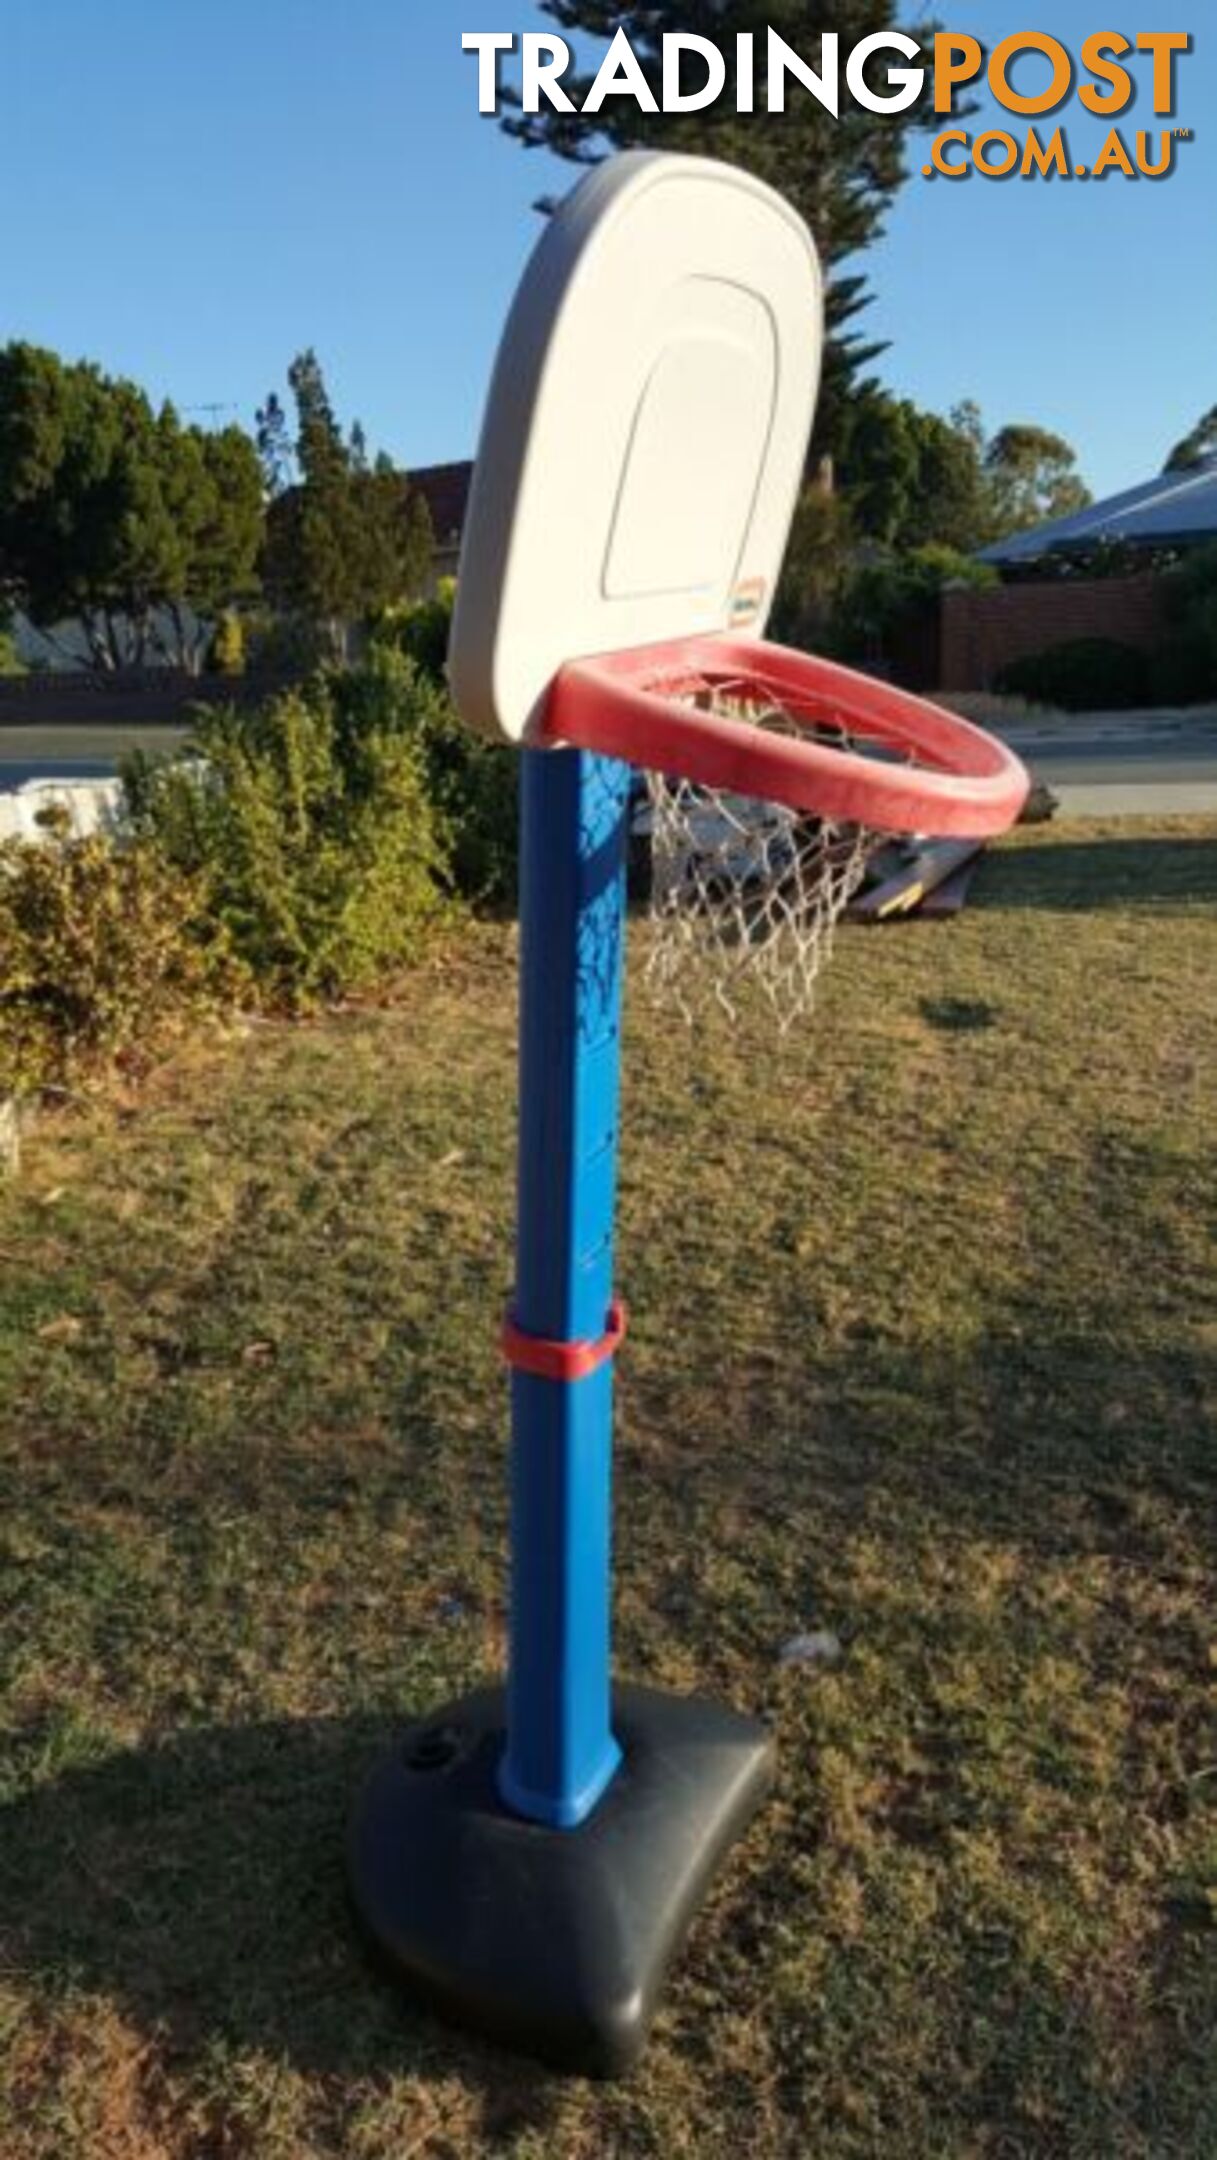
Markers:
point(922, 1352)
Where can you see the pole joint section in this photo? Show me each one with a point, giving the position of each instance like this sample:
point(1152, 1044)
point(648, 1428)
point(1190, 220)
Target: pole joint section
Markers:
point(549, 1360)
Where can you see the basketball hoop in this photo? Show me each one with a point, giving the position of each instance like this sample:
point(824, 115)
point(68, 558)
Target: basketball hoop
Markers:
point(772, 777)
point(529, 1858)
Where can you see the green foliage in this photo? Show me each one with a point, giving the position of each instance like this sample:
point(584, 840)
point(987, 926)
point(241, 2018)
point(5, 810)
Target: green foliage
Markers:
point(953, 505)
point(311, 821)
point(11, 662)
point(104, 949)
point(1197, 448)
point(284, 644)
point(276, 448)
point(1032, 479)
point(226, 655)
point(1183, 669)
point(300, 851)
point(346, 537)
point(841, 175)
point(885, 599)
point(816, 569)
point(421, 629)
point(117, 516)
point(1191, 586)
point(1185, 664)
point(911, 477)
point(475, 787)
point(1080, 675)
point(472, 784)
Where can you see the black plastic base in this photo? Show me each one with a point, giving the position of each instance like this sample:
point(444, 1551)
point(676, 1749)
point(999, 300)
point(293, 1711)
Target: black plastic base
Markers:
point(554, 1941)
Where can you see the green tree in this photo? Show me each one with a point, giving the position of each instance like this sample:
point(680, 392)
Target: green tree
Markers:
point(951, 509)
point(912, 479)
point(1185, 666)
point(841, 175)
point(1196, 448)
point(117, 517)
point(346, 535)
point(817, 565)
point(877, 463)
point(276, 450)
point(211, 488)
point(887, 597)
point(1032, 477)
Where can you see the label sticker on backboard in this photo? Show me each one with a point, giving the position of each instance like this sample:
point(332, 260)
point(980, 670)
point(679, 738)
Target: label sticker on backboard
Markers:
point(748, 602)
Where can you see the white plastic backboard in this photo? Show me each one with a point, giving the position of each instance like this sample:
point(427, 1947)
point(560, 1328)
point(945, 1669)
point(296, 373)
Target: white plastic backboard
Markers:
point(646, 431)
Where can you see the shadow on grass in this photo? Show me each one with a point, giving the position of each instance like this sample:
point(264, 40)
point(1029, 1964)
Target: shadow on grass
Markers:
point(1051, 1406)
point(200, 1885)
point(1102, 873)
point(958, 1016)
point(1048, 1441)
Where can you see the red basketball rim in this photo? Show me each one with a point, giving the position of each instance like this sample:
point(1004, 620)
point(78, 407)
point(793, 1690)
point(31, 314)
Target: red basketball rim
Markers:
point(960, 781)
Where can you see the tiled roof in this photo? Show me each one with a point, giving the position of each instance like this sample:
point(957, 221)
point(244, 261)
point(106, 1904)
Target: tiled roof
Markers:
point(445, 489)
point(1177, 509)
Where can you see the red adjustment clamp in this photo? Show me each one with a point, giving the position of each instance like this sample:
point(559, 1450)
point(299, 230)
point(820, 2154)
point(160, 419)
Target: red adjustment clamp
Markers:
point(563, 1360)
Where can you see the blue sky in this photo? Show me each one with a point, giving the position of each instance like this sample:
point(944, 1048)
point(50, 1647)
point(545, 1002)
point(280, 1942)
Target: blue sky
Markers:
point(194, 192)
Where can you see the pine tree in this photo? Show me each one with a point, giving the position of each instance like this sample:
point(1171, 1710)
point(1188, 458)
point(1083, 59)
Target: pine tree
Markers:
point(841, 175)
point(346, 537)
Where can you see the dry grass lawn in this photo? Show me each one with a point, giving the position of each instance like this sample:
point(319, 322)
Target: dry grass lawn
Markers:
point(923, 1351)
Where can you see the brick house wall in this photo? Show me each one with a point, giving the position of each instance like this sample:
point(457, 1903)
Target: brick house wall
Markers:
point(982, 632)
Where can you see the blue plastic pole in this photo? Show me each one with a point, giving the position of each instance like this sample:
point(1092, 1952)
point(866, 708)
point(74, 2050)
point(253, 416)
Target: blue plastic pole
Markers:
point(560, 1752)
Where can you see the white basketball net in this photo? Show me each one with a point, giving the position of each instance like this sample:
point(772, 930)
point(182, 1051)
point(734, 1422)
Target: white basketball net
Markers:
point(746, 891)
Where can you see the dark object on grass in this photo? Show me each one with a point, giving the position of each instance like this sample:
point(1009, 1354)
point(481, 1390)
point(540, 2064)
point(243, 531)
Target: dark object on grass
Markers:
point(1080, 675)
point(959, 1016)
point(948, 898)
point(555, 1941)
point(1041, 804)
point(906, 879)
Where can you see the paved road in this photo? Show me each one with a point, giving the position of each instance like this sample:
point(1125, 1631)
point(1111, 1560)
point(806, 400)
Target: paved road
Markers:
point(1105, 764)
point(1126, 763)
point(74, 753)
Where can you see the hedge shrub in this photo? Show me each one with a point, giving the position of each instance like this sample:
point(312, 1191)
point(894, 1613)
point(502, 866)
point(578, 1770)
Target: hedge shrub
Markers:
point(1081, 675)
point(473, 784)
point(299, 851)
point(226, 653)
point(104, 949)
point(1185, 664)
point(420, 629)
point(311, 821)
point(1183, 670)
point(884, 599)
